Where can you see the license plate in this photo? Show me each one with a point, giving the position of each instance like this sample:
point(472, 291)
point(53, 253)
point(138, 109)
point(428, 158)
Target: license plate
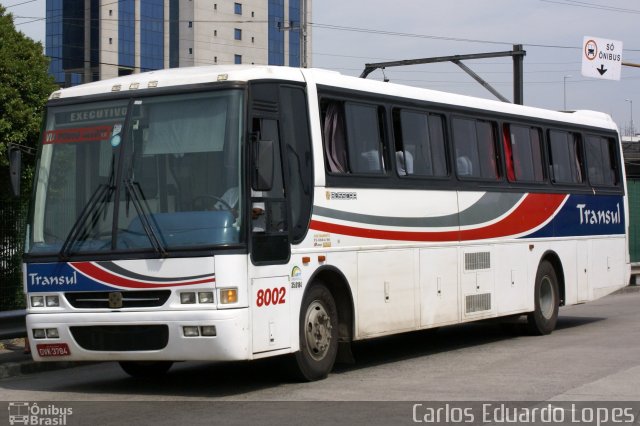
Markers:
point(53, 349)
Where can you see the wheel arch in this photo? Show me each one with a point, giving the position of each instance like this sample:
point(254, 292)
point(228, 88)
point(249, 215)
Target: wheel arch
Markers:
point(338, 285)
point(553, 258)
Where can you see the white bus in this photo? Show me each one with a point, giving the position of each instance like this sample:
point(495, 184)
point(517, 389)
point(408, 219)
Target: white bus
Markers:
point(236, 213)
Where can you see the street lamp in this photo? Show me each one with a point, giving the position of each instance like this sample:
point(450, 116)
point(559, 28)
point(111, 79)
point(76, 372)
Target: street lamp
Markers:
point(564, 90)
point(633, 131)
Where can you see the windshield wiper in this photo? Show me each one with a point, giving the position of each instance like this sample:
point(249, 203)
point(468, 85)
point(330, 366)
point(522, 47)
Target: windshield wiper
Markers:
point(79, 231)
point(140, 204)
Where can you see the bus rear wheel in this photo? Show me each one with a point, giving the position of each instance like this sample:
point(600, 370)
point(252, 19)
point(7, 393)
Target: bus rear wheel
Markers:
point(145, 369)
point(547, 301)
point(318, 334)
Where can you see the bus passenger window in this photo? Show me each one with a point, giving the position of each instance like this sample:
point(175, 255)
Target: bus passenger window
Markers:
point(475, 145)
point(601, 161)
point(363, 138)
point(523, 152)
point(420, 144)
point(352, 138)
point(334, 137)
point(565, 150)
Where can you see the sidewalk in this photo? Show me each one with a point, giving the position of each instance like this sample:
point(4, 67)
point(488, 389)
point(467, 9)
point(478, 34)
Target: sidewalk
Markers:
point(14, 362)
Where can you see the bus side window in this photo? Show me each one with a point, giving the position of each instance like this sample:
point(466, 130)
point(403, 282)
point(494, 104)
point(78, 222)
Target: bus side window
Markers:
point(334, 137)
point(476, 151)
point(565, 149)
point(601, 161)
point(364, 138)
point(420, 143)
point(352, 138)
point(523, 151)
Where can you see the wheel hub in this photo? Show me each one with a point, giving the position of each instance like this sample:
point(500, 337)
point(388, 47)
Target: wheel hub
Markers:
point(318, 330)
point(547, 298)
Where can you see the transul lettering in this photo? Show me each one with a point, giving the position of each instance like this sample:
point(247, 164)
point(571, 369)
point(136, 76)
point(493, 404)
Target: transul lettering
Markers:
point(598, 217)
point(37, 279)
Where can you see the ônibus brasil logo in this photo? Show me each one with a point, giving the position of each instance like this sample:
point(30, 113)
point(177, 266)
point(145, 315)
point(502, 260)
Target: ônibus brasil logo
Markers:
point(31, 414)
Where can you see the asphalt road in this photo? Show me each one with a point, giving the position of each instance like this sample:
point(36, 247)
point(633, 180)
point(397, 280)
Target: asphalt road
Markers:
point(593, 355)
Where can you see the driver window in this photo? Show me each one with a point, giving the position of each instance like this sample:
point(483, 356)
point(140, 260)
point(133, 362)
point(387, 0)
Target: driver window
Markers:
point(268, 208)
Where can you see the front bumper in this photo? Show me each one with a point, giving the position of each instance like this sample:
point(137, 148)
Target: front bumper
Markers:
point(231, 342)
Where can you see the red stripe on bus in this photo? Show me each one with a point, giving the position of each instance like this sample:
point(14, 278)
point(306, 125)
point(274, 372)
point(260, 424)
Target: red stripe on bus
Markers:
point(98, 274)
point(535, 210)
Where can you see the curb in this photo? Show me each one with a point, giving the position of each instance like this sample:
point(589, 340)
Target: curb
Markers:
point(12, 369)
point(634, 288)
point(14, 362)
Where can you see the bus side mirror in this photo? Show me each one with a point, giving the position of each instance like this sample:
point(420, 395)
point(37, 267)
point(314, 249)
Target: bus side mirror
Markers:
point(15, 169)
point(263, 160)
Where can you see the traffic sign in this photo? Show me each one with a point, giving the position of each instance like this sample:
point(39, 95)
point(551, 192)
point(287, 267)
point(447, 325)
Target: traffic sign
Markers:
point(601, 58)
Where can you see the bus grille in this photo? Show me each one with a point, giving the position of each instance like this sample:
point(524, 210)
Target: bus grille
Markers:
point(478, 303)
point(121, 338)
point(130, 299)
point(477, 261)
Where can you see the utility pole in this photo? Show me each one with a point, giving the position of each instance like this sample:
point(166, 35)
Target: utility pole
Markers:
point(564, 90)
point(304, 21)
point(632, 131)
point(301, 27)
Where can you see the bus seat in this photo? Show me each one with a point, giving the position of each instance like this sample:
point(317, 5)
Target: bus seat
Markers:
point(370, 161)
point(464, 165)
point(404, 163)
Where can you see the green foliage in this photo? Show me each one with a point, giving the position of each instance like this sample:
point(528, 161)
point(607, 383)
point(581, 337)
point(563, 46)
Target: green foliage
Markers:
point(25, 86)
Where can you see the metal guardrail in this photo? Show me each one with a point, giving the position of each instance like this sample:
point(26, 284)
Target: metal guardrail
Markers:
point(12, 324)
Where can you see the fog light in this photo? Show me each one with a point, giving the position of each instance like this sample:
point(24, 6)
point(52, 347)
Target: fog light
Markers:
point(53, 301)
point(52, 333)
point(37, 301)
point(187, 298)
point(38, 333)
point(190, 331)
point(208, 330)
point(205, 297)
point(228, 295)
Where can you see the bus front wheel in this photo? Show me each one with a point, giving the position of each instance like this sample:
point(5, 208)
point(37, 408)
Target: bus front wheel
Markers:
point(546, 297)
point(318, 334)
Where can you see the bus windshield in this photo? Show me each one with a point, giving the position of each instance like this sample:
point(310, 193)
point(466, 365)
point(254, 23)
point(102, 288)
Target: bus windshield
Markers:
point(159, 173)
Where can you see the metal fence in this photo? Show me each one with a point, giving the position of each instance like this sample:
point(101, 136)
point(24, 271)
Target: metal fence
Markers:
point(633, 187)
point(12, 227)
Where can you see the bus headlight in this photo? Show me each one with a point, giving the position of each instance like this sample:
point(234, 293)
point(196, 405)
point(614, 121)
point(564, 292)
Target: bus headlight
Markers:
point(52, 333)
point(191, 331)
point(37, 301)
point(39, 333)
point(188, 298)
point(52, 301)
point(208, 330)
point(205, 297)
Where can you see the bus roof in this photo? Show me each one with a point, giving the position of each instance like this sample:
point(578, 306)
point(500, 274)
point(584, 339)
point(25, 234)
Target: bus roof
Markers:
point(243, 73)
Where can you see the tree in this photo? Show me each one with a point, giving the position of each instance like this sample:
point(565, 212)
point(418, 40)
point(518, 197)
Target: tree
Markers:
point(25, 86)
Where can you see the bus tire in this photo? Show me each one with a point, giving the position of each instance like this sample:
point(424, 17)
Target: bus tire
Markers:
point(547, 301)
point(145, 369)
point(318, 334)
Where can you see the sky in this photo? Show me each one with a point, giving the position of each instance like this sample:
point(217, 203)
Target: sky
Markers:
point(346, 34)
